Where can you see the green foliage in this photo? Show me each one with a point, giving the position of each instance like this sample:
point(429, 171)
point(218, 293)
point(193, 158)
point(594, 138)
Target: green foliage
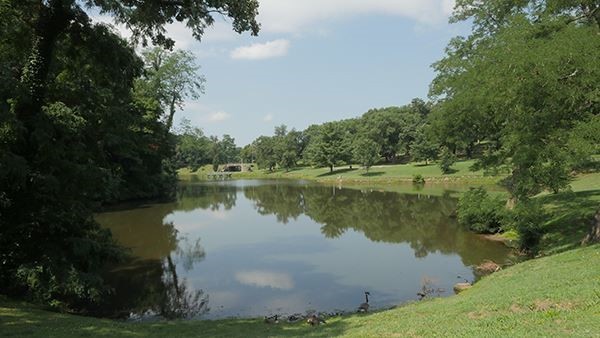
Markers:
point(192, 149)
point(330, 146)
point(424, 148)
point(75, 132)
point(418, 179)
point(521, 82)
point(366, 152)
point(528, 219)
point(447, 159)
point(170, 78)
point(481, 212)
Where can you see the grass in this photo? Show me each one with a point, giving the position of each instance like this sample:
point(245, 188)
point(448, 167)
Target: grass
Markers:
point(512, 302)
point(379, 173)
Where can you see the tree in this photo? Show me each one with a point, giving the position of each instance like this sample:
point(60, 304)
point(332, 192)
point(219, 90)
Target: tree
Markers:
point(192, 149)
point(74, 135)
point(525, 77)
point(329, 146)
point(172, 77)
point(366, 152)
point(265, 152)
point(424, 148)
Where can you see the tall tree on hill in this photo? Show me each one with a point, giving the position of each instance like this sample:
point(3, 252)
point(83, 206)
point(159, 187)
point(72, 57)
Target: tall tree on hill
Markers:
point(525, 77)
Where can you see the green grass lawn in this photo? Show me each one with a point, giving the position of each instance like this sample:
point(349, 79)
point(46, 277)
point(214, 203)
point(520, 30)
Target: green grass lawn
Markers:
point(554, 296)
point(379, 173)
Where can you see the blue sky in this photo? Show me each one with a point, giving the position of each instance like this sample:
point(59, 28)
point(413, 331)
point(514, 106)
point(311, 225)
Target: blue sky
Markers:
point(315, 61)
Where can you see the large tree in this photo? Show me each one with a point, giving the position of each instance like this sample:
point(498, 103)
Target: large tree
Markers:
point(172, 77)
point(524, 78)
point(71, 133)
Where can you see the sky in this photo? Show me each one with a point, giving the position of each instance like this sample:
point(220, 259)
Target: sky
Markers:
point(314, 61)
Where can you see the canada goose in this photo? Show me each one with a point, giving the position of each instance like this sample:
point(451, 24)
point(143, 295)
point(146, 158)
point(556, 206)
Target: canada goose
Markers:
point(314, 320)
point(364, 307)
point(296, 317)
point(272, 320)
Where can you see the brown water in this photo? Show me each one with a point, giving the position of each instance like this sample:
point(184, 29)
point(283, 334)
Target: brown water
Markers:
point(254, 248)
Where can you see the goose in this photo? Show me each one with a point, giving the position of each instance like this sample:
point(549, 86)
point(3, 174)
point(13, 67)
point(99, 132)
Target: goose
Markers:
point(296, 317)
point(315, 320)
point(272, 320)
point(364, 307)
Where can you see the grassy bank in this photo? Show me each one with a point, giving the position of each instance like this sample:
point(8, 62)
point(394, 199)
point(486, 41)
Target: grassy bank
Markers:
point(380, 173)
point(552, 296)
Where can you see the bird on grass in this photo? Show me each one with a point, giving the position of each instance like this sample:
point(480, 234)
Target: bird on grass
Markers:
point(272, 319)
point(315, 320)
point(364, 307)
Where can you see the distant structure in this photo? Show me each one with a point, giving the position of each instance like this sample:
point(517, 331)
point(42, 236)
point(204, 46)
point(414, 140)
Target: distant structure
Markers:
point(236, 167)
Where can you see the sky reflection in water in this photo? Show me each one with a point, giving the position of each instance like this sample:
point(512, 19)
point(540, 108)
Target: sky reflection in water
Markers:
point(263, 247)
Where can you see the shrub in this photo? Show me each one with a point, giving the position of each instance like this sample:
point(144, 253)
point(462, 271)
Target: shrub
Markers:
point(527, 218)
point(481, 212)
point(418, 179)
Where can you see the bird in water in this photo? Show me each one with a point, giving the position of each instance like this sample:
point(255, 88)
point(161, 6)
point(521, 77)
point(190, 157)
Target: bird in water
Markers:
point(315, 320)
point(364, 307)
point(272, 319)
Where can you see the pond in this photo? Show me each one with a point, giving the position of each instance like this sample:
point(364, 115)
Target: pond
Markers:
point(254, 248)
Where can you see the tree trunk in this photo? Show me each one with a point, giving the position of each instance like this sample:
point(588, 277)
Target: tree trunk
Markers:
point(172, 110)
point(331, 168)
point(594, 235)
point(52, 21)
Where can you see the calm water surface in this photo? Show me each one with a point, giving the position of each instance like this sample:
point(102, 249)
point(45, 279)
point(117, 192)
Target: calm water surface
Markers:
point(254, 248)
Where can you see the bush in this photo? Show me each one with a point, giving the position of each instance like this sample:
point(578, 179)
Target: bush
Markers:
point(527, 218)
point(481, 212)
point(418, 179)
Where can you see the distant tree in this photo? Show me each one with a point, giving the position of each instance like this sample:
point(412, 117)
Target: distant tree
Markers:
point(329, 146)
point(366, 152)
point(248, 153)
point(230, 152)
point(424, 148)
point(265, 152)
point(192, 150)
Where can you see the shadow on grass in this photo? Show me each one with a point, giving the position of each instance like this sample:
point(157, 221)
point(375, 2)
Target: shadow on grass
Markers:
point(451, 171)
point(569, 216)
point(373, 174)
point(337, 172)
point(19, 320)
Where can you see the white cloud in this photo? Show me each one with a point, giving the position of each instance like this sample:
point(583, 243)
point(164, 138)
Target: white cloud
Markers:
point(263, 279)
point(268, 118)
point(259, 51)
point(218, 116)
point(293, 16)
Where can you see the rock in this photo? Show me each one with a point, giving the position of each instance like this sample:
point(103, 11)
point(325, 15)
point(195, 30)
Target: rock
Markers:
point(487, 267)
point(460, 287)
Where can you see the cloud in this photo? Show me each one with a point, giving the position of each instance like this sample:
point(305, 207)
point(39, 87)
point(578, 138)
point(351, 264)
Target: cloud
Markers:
point(218, 116)
point(260, 51)
point(268, 118)
point(293, 16)
point(263, 279)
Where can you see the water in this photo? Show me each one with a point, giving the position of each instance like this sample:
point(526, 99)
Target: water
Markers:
point(254, 248)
